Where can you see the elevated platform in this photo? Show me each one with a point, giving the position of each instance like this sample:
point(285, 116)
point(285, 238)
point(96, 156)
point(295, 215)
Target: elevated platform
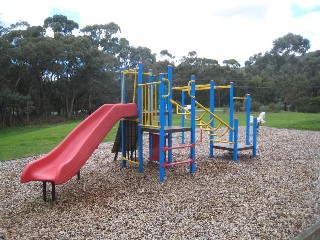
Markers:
point(167, 129)
point(229, 147)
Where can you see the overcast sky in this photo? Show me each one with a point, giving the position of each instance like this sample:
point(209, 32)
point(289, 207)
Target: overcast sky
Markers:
point(215, 29)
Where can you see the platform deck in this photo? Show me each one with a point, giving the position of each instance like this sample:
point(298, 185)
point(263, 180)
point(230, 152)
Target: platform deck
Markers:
point(167, 129)
point(229, 147)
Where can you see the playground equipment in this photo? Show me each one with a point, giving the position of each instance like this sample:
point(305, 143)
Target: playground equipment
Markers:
point(154, 101)
point(150, 112)
point(155, 116)
point(260, 119)
point(222, 129)
point(66, 160)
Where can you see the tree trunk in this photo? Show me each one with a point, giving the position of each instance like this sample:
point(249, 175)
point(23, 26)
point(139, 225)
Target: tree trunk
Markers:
point(10, 117)
point(4, 117)
point(70, 109)
point(285, 106)
point(90, 104)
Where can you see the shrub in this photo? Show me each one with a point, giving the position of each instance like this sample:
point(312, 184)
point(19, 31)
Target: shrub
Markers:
point(307, 104)
point(272, 107)
point(314, 104)
point(255, 106)
point(237, 106)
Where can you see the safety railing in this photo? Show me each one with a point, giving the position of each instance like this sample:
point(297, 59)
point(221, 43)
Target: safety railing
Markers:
point(220, 130)
point(199, 87)
point(207, 125)
point(150, 105)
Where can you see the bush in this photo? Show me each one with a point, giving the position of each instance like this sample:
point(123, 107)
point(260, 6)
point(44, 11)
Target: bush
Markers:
point(314, 105)
point(272, 107)
point(237, 106)
point(255, 106)
point(307, 104)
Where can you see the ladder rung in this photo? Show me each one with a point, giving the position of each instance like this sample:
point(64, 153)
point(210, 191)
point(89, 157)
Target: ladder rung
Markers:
point(183, 113)
point(222, 141)
point(130, 161)
point(177, 163)
point(201, 124)
point(178, 147)
point(207, 129)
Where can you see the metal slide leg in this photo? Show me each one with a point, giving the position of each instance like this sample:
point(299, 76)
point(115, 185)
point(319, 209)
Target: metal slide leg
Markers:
point(78, 175)
point(44, 191)
point(235, 139)
point(53, 191)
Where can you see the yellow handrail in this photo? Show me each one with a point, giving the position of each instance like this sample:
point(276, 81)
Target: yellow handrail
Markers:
point(178, 106)
point(168, 81)
point(214, 115)
point(134, 88)
point(130, 71)
point(189, 88)
point(200, 87)
point(239, 98)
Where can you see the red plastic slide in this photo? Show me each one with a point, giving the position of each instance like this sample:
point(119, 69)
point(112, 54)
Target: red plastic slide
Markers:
point(66, 160)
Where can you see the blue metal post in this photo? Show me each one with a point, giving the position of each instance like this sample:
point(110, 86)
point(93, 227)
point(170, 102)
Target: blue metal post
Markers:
point(170, 96)
point(162, 125)
point(248, 119)
point(150, 80)
point(231, 111)
point(235, 147)
point(211, 117)
point(193, 124)
point(169, 112)
point(254, 137)
point(140, 137)
point(123, 100)
point(122, 82)
point(182, 116)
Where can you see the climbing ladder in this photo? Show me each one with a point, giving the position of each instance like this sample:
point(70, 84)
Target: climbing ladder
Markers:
point(220, 130)
point(218, 134)
point(155, 118)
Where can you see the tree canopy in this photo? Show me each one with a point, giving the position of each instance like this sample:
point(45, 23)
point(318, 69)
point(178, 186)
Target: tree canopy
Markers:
point(66, 74)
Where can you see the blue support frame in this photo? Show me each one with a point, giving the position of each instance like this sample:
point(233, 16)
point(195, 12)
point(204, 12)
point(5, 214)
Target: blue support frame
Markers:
point(235, 147)
point(169, 104)
point(123, 100)
point(140, 135)
point(193, 124)
point(161, 131)
point(183, 116)
point(254, 137)
point(231, 111)
point(248, 102)
point(211, 117)
point(150, 80)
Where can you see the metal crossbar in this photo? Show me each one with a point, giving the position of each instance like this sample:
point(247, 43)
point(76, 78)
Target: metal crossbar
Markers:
point(177, 163)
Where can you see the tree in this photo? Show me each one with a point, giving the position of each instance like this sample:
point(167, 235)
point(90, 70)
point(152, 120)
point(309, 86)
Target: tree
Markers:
point(142, 54)
point(291, 44)
point(104, 36)
point(60, 24)
point(166, 55)
point(232, 63)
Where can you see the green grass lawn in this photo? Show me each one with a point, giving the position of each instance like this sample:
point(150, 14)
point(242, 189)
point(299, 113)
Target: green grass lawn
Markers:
point(294, 120)
point(34, 140)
